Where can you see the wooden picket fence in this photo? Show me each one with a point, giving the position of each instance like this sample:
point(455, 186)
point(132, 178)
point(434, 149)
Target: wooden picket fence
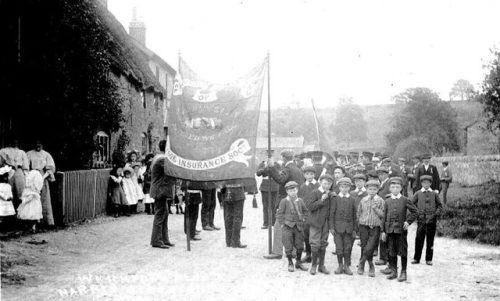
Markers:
point(79, 195)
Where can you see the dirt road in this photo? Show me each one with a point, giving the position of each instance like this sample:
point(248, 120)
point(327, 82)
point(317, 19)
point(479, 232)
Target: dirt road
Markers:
point(110, 259)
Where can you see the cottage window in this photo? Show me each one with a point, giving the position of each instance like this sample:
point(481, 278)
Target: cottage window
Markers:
point(101, 158)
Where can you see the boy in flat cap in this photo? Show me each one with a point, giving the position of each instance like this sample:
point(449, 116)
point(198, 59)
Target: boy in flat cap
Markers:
point(370, 214)
point(319, 209)
point(290, 172)
point(292, 213)
point(306, 194)
point(427, 169)
point(343, 225)
point(395, 228)
point(429, 208)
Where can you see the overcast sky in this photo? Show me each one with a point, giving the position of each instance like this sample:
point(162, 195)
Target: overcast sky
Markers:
point(368, 50)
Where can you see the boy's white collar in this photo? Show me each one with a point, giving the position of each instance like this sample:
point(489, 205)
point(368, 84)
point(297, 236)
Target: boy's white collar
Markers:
point(424, 190)
point(344, 195)
point(363, 189)
point(394, 197)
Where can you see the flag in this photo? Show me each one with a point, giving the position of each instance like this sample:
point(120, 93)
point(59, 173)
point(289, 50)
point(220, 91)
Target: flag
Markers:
point(213, 127)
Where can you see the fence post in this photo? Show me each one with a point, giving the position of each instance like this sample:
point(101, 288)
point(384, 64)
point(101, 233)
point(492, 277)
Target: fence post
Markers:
point(95, 190)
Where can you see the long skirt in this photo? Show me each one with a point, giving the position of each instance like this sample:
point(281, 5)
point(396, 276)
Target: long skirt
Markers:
point(17, 181)
point(48, 215)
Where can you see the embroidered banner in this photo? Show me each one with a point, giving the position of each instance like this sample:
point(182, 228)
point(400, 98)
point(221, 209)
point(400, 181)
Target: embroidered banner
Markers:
point(213, 127)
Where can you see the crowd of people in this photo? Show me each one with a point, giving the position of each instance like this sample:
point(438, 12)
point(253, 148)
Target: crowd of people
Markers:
point(367, 197)
point(24, 186)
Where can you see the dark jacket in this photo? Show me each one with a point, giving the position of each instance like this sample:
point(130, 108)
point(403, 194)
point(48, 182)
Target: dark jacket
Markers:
point(233, 193)
point(264, 186)
point(319, 210)
point(343, 214)
point(428, 206)
point(384, 191)
point(161, 184)
point(431, 171)
point(289, 173)
point(288, 215)
point(358, 196)
point(305, 191)
point(395, 214)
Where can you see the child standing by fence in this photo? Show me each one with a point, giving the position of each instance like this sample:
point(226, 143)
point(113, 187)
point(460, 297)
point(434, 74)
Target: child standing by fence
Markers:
point(116, 193)
point(6, 206)
point(30, 209)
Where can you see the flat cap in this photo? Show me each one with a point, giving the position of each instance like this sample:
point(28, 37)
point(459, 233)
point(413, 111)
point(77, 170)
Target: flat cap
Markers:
point(291, 184)
point(287, 153)
point(401, 159)
point(359, 176)
point(373, 183)
point(367, 154)
point(345, 180)
point(326, 177)
point(396, 180)
point(416, 157)
point(426, 177)
point(386, 159)
point(426, 156)
point(372, 174)
point(383, 169)
point(309, 169)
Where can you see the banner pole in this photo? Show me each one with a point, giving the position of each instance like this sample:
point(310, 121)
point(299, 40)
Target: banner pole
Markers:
point(187, 225)
point(270, 201)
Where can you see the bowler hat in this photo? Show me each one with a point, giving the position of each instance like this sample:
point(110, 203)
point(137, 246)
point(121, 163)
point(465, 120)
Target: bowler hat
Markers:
point(291, 184)
point(287, 153)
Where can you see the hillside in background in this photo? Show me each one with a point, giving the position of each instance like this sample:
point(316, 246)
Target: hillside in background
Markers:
point(293, 122)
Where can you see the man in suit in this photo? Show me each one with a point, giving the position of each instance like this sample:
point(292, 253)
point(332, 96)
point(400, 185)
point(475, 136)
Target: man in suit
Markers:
point(233, 195)
point(267, 192)
point(411, 176)
point(290, 172)
point(404, 171)
point(427, 169)
point(446, 179)
point(161, 191)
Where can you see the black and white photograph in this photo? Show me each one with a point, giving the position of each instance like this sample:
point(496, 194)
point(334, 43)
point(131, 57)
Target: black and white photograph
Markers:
point(250, 150)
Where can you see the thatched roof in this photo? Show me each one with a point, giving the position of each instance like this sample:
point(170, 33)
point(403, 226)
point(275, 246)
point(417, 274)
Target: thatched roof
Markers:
point(127, 58)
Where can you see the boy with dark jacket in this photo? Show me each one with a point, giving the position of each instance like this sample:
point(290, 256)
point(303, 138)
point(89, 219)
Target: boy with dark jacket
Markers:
point(395, 228)
point(343, 225)
point(429, 208)
point(319, 210)
point(292, 213)
point(305, 193)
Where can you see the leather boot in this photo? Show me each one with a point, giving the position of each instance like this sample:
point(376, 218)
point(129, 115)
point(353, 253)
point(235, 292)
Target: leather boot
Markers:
point(307, 258)
point(347, 265)
point(298, 262)
point(402, 276)
point(393, 267)
point(393, 275)
point(340, 269)
point(290, 263)
point(361, 266)
point(314, 265)
point(371, 271)
point(321, 267)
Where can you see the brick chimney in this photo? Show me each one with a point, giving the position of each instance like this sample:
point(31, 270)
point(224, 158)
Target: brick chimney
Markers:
point(137, 29)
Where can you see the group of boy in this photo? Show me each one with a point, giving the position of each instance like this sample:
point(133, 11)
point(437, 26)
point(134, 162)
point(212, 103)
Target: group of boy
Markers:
point(375, 207)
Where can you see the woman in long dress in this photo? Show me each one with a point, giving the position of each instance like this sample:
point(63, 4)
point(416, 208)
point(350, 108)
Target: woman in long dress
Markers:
point(43, 162)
